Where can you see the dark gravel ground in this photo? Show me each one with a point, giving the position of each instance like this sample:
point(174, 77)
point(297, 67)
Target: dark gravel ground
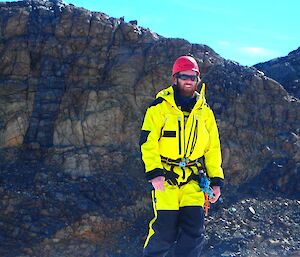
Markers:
point(44, 212)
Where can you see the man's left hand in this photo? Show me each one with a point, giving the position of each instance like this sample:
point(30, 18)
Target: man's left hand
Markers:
point(216, 192)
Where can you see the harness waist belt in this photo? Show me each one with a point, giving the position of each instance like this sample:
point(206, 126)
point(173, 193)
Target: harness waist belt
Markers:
point(181, 162)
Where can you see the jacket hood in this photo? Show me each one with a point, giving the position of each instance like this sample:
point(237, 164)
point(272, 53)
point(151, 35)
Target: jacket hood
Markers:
point(168, 95)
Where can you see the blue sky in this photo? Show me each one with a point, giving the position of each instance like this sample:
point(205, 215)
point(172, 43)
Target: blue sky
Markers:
point(246, 31)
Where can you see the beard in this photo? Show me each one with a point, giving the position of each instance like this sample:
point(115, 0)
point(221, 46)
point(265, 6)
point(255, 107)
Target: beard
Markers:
point(187, 88)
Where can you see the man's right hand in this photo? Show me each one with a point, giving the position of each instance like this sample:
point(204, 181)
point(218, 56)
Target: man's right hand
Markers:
point(158, 183)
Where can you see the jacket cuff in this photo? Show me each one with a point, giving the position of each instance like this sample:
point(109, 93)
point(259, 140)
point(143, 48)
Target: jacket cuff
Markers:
point(216, 182)
point(154, 173)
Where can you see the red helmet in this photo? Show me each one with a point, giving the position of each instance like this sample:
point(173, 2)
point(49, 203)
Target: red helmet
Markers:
point(185, 63)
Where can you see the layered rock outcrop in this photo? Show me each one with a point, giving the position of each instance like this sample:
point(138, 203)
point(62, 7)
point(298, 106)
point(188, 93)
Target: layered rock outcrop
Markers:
point(74, 86)
point(285, 70)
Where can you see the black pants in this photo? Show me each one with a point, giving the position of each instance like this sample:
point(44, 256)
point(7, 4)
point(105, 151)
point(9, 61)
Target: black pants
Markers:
point(179, 232)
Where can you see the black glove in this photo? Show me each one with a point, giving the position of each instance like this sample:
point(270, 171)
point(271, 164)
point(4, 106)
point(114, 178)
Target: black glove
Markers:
point(171, 178)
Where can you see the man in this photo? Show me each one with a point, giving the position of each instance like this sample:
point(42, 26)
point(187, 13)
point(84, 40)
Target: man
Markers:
point(179, 131)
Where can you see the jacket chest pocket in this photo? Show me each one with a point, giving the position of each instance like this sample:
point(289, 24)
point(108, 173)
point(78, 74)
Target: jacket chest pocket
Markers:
point(170, 128)
point(171, 136)
point(200, 136)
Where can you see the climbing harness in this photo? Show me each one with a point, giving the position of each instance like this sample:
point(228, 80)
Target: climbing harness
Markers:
point(171, 176)
point(202, 179)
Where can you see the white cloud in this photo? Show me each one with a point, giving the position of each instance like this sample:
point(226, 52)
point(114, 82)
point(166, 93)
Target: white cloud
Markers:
point(224, 43)
point(257, 51)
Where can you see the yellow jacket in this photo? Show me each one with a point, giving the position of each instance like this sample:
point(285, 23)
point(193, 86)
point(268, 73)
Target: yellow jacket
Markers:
point(165, 133)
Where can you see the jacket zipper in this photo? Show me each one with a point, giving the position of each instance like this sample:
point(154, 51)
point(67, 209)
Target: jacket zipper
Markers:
point(195, 136)
point(179, 134)
point(189, 137)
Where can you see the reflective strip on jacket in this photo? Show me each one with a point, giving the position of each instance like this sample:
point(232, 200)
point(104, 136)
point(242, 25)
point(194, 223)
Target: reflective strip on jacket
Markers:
point(165, 133)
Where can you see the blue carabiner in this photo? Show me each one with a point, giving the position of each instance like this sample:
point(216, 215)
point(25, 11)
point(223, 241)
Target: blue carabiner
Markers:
point(182, 164)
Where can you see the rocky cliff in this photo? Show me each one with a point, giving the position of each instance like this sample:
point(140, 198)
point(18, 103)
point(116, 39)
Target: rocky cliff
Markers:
point(74, 86)
point(285, 70)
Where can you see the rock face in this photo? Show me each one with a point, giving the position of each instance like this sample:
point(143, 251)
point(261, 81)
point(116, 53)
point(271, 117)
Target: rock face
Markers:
point(285, 70)
point(74, 86)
